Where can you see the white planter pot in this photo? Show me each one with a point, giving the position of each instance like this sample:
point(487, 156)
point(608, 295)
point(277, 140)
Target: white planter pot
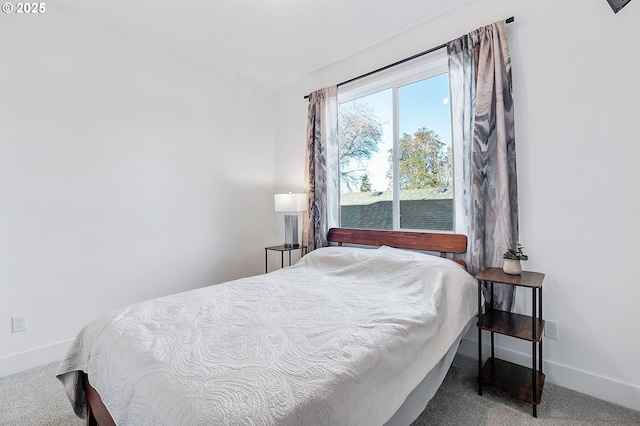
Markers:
point(512, 267)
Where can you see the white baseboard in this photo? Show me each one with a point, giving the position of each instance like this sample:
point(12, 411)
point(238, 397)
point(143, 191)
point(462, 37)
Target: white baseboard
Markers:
point(562, 375)
point(21, 361)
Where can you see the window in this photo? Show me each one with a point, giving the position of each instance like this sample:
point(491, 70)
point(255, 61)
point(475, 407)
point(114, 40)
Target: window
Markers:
point(396, 154)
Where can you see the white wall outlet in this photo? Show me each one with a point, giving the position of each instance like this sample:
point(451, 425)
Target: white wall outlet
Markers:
point(551, 330)
point(18, 323)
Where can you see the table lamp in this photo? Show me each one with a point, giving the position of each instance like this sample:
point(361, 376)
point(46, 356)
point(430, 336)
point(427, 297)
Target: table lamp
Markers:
point(292, 204)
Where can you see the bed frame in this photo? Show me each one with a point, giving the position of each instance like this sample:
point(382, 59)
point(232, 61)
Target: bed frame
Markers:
point(444, 244)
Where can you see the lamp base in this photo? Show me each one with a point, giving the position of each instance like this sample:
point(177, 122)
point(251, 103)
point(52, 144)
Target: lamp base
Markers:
point(291, 230)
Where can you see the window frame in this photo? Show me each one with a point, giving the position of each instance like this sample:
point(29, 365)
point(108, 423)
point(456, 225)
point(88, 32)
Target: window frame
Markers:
point(431, 65)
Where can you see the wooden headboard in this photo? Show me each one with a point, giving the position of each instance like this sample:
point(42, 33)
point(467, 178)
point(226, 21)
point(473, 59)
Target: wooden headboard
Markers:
point(428, 241)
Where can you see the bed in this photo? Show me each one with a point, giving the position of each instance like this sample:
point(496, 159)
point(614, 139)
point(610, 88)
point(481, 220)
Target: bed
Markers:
point(348, 335)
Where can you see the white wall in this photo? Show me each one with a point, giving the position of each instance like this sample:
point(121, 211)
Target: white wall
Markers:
point(576, 92)
point(126, 173)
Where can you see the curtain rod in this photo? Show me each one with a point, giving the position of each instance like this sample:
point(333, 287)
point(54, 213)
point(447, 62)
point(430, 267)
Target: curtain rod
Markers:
point(402, 61)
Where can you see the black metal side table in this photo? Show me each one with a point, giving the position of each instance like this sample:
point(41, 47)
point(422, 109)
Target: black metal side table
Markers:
point(502, 376)
point(282, 249)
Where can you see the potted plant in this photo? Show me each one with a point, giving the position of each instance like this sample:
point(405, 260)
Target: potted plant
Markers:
point(512, 258)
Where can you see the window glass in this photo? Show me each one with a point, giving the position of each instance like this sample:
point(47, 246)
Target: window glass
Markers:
point(366, 137)
point(425, 169)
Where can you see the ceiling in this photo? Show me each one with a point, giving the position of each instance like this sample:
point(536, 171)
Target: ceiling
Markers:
point(272, 43)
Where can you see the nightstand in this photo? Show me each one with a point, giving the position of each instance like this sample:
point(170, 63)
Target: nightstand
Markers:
point(505, 377)
point(282, 249)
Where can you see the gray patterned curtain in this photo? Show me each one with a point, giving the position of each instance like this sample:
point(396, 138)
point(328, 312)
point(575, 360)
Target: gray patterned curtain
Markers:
point(323, 193)
point(483, 124)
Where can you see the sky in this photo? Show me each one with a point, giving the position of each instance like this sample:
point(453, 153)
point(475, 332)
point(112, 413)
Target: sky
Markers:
point(423, 103)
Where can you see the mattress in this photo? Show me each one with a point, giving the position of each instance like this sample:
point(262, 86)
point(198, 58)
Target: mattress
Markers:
point(342, 337)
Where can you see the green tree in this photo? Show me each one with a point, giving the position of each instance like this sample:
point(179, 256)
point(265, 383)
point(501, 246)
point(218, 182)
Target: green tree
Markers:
point(423, 161)
point(360, 133)
point(365, 185)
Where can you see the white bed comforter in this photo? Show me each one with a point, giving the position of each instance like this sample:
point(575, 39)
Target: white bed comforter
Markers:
point(340, 338)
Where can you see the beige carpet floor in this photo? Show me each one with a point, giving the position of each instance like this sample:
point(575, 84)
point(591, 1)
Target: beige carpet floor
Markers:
point(36, 398)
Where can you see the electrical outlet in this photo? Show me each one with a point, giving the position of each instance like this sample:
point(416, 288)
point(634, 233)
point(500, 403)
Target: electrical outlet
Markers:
point(18, 323)
point(551, 330)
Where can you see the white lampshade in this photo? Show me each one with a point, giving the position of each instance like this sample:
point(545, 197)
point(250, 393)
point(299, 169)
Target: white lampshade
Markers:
point(290, 202)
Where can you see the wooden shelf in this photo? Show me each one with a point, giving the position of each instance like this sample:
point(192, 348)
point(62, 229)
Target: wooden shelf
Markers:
point(512, 379)
point(510, 324)
point(525, 279)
